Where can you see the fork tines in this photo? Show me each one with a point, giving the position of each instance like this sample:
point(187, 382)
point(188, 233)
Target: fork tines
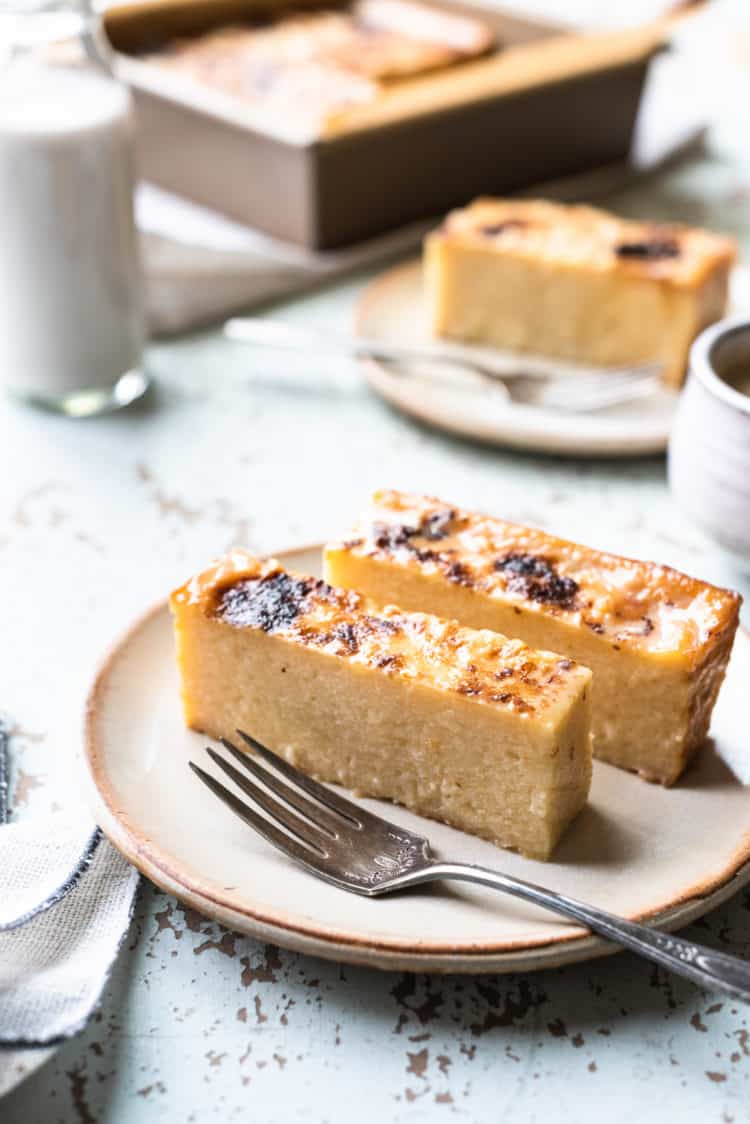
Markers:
point(334, 837)
point(305, 835)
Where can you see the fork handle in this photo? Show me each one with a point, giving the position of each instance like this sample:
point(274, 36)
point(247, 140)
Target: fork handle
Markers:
point(704, 966)
point(290, 337)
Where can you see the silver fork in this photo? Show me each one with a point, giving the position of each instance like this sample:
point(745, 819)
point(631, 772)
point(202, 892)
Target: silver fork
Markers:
point(357, 851)
point(527, 381)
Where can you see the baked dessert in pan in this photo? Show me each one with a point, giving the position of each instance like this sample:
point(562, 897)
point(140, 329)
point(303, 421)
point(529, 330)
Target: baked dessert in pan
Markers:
point(305, 65)
point(656, 640)
point(336, 150)
point(575, 282)
point(464, 726)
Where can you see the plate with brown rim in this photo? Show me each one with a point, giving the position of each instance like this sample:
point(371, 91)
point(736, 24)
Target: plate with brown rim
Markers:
point(637, 849)
point(392, 310)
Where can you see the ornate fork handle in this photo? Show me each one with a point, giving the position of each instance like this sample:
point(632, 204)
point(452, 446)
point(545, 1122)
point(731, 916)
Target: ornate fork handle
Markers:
point(360, 852)
point(493, 366)
point(710, 969)
point(291, 337)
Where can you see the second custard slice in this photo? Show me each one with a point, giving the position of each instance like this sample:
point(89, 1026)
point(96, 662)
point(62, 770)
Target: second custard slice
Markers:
point(657, 641)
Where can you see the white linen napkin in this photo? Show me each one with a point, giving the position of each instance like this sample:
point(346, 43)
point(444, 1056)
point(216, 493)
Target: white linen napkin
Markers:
point(201, 266)
point(54, 964)
point(66, 900)
point(40, 863)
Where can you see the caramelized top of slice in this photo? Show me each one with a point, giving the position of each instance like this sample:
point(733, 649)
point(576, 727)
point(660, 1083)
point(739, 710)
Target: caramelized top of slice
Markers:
point(585, 237)
point(637, 605)
point(245, 592)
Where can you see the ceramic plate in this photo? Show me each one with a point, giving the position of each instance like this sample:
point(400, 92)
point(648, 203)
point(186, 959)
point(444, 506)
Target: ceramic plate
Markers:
point(392, 308)
point(637, 849)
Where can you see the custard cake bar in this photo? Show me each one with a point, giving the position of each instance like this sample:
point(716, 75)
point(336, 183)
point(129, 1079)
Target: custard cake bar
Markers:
point(464, 726)
point(575, 283)
point(656, 640)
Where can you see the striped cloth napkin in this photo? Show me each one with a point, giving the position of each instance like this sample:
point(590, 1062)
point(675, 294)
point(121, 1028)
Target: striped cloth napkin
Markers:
point(66, 900)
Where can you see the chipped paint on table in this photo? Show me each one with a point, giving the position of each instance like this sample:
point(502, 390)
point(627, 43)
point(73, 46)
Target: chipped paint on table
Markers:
point(99, 519)
point(200, 1024)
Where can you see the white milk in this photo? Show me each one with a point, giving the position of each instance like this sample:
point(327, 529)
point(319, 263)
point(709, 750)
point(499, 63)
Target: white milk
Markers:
point(70, 307)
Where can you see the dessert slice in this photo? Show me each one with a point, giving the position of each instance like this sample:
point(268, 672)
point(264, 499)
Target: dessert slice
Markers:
point(656, 640)
point(575, 283)
point(397, 39)
point(463, 726)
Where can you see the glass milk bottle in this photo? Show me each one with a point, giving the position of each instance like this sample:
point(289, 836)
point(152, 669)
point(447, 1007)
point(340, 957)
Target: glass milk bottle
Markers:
point(71, 317)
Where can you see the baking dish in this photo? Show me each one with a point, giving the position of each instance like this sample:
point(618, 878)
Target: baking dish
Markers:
point(547, 103)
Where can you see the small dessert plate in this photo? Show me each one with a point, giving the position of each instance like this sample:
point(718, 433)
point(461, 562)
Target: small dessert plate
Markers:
point(637, 849)
point(392, 309)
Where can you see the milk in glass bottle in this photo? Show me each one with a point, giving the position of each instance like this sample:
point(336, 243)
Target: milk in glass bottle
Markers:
point(71, 318)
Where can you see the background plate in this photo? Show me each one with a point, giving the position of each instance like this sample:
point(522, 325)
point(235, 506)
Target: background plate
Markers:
point(637, 849)
point(392, 308)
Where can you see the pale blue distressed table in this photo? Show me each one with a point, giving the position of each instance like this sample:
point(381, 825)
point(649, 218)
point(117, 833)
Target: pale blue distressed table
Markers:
point(199, 1025)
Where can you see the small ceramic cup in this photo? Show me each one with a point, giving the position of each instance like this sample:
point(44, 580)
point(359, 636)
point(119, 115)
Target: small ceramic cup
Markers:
point(709, 450)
